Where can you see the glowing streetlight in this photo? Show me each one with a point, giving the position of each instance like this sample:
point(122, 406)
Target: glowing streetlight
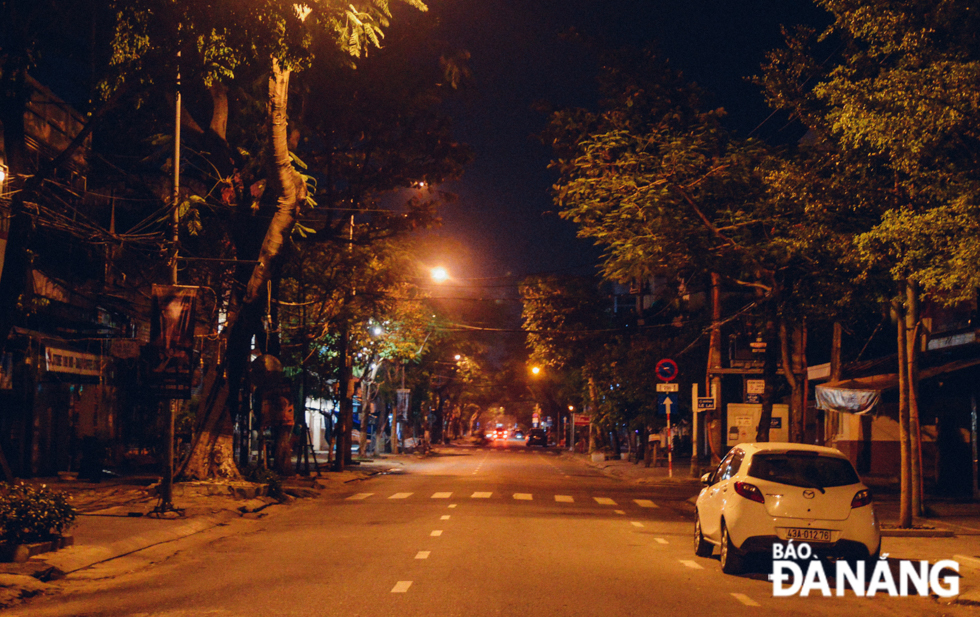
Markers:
point(439, 274)
point(535, 370)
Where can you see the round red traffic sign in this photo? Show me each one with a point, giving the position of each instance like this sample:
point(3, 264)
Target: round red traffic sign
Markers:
point(666, 370)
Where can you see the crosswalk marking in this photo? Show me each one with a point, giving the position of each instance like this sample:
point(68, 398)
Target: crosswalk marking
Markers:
point(523, 496)
point(636, 524)
point(479, 495)
point(564, 498)
point(452, 505)
point(436, 533)
point(359, 496)
point(442, 495)
point(422, 555)
point(692, 564)
point(661, 540)
point(604, 501)
point(444, 517)
point(645, 503)
point(401, 586)
point(400, 496)
point(744, 599)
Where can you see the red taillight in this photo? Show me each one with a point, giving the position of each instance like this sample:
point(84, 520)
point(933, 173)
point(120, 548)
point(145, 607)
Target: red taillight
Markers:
point(862, 498)
point(749, 491)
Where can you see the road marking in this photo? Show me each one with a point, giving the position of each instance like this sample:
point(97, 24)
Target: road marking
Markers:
point(452, 505)
point(661, 541)
point(619, 512)
point(479, 495)
point(744, 599)
point(645, 503)
point(359, 496)
point(636, 524)
point(692, 564)
point(422, 554)
point(436, 533)
point(445, 517)
point(604, 501)
point(401, 586)
point(564, 498)
point(523, 496)
point(442, 495)
point(400, 496)
point(970, 561)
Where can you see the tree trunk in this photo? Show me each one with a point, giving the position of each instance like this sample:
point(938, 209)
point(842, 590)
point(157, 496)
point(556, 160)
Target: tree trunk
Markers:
point(769, 366)
point(207, 457)
point(712, 426)
point(905, 501)
point(594, 409)
point(913, 329)
point(792, 345)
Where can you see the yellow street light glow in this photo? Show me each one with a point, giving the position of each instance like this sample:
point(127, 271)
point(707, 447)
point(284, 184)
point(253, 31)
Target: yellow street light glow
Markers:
point(440, 274)
point(535, 369)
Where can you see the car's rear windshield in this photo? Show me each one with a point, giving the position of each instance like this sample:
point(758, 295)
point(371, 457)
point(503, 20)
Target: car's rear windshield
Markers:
point(803, 469)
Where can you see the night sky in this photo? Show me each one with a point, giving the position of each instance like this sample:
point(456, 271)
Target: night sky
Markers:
point(505, 214)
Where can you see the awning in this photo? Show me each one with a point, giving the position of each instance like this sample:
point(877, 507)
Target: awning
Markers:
point(858, 396)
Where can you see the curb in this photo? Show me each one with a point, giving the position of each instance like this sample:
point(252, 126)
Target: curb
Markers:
point(917, 533)
point(80, 557)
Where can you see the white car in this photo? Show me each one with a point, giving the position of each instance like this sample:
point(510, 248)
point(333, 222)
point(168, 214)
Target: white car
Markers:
point(763, 493)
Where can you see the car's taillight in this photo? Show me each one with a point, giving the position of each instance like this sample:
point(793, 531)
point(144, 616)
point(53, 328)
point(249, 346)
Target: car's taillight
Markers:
point(749, 491)
point(862, 498)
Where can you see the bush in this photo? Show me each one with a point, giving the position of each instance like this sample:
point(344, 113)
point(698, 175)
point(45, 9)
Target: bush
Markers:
point(33, 514)
point(264, 475)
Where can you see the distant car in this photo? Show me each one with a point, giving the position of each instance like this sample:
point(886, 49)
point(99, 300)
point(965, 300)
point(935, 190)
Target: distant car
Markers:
point(763, 493)
point(518, 434)
point(536, 437)
point(500, 433)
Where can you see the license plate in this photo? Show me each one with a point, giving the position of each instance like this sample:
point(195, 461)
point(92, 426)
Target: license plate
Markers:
point(810, 535)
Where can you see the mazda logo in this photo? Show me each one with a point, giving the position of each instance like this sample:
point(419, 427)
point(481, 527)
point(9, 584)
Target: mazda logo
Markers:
point(808, 494)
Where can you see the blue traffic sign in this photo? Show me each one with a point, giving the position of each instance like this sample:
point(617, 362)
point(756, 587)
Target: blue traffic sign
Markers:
point(667, 403)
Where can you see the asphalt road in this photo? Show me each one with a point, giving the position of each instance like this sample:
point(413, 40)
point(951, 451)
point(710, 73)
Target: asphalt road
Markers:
point(502, 530)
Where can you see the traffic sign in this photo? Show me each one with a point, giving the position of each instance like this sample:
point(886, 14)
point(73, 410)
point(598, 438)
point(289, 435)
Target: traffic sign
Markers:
point(666, 370)
point(706, 402)
point(667, 387)
point(667, 403)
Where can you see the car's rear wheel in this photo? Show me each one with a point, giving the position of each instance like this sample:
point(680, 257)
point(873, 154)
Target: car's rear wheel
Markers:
point(702, 548)
point(731, 561)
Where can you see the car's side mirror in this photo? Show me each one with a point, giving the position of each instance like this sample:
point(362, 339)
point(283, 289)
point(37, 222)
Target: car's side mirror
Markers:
point(706, 479)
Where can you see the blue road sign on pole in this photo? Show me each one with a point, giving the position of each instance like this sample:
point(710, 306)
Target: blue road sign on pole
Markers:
point(667, 403)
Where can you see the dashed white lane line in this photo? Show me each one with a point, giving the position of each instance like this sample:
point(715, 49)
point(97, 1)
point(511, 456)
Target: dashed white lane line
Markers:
point(564, 498)
point(436, 533)
point(400, 496)
point(444, 517)
point(744, 599)
point(401, 586)
point(661, 541)
point(442, 495)
point(645, 503)
point(422, 554)
point(619, 511)
point(479, 495)
point(523, 496)
point(692, 564)
point(636, 524)
point(359, 496)
point(452, 505)
point(604, 501)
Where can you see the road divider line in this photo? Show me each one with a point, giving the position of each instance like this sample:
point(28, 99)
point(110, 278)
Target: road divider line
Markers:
point(359, 496)
point(442, 495)
point(401, 586)
point(564, 498)
point(445, 517)
point(422, 554)
point(523, 496)
point(604, 501)
point(619, 512)
point(744, 599)
point(479, 495)
point(636, 524)
point(645, 503)
point(692, 564)
point(452, 505)
point(400, 496)
point(661, 541)
point(436, 533)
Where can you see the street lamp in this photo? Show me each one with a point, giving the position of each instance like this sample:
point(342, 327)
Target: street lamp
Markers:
point(535, 370)
point(439, 274)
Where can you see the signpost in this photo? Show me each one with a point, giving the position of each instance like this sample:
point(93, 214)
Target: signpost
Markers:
point(666, 371)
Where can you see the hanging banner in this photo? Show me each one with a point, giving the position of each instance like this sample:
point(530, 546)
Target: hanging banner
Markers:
point(171, 348)
point(73, 362)
point(847, 400)
point(404, 398)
